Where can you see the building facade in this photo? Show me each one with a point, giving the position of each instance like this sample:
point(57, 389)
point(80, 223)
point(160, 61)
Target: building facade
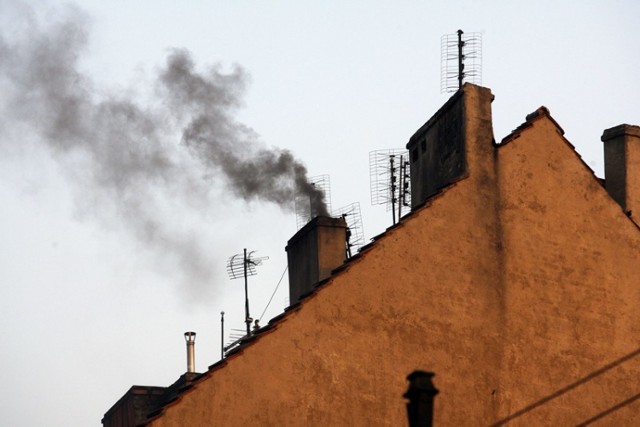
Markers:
point(515, 279)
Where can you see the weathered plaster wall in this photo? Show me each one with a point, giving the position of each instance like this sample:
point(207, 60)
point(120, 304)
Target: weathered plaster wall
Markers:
point(572, 266)
point(512, 284)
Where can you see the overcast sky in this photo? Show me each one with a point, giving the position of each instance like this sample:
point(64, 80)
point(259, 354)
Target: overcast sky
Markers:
point(135, 138)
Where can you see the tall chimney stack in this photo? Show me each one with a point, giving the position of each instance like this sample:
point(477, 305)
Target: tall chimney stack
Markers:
point(190, 338)
point(622, 167)
point(437, 150)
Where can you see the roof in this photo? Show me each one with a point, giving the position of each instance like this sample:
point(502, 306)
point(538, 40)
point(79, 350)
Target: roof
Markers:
point(529, 120)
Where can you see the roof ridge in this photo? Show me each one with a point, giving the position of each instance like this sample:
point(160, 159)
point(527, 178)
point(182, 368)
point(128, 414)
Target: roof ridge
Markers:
point(539, 113)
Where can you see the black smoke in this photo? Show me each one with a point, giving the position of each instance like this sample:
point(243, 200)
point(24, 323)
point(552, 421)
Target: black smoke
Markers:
point(132, 157)
point(253, 171)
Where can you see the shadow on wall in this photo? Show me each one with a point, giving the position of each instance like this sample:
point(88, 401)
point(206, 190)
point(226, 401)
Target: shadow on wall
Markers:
point(582, 381)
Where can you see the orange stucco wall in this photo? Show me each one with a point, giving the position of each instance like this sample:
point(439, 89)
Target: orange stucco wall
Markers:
point(518, 286)
point(573, 273)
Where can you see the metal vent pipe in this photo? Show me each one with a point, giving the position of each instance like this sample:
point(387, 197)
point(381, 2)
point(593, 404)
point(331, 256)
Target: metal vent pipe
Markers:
point(190, 338)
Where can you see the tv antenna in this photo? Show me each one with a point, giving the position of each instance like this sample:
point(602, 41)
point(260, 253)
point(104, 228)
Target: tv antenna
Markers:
point(236, 336)
point(244, 265)
point(460, 60)
point(304, 205)
point(355, 234)
point(389, 178)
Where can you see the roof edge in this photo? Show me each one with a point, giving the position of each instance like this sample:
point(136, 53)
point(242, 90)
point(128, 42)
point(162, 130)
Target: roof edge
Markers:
point(541, 112)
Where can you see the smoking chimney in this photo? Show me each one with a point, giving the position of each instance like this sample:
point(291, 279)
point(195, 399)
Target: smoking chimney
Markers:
point(622, 167)
point(313, 252)
point(190, 338)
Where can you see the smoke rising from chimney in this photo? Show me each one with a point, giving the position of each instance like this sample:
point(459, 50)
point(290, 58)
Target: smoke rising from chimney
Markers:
point(252, 171)
point(126, 157)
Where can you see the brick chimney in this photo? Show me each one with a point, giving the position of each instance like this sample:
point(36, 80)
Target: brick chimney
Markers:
point(622, 167)
point(313, 252)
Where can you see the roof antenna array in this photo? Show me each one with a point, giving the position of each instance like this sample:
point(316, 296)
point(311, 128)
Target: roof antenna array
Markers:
point(389, 176)
point(303, 208)
point(460, 60)
point(235, 336)
point(244, 265)
point(351, 213)
point(355, 233)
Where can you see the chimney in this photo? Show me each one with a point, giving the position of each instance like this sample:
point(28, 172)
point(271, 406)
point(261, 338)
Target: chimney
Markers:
point(313, 252)
point(421, 394)
point(437, 151)
point(455, 143)
point(190, 338)
point(622, 167)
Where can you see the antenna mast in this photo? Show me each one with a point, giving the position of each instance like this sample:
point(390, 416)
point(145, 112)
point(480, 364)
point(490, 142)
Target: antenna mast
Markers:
point(385, 167)
point(351, 213)
point(303, 205)
point(355, 232)
point(222, 335)
point(238, 267)
point(460, 60)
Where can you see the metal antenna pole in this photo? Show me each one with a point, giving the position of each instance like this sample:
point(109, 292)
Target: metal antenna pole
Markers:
point(460, 59)
point(247, 318)
point(406, 192)
point(393, 189)
point(222, 335)
point(312, 214)
point(244, 265)
point(400, 189)
point(384, 171)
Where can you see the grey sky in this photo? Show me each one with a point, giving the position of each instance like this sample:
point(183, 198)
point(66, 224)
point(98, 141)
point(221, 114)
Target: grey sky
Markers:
point(115, 231)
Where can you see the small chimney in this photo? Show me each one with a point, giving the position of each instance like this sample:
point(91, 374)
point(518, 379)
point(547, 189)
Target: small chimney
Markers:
point(622, 167)
point(190, 338)
point(421, 394)
point(314, 252)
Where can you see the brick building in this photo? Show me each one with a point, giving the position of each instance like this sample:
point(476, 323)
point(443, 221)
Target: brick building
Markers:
point(515, 279)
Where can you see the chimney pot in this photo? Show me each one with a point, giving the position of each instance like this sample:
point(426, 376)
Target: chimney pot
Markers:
point(190, 338)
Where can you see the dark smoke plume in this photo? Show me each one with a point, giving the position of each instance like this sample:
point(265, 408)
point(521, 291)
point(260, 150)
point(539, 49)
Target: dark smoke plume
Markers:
point(253, 171)
point(124, 156)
